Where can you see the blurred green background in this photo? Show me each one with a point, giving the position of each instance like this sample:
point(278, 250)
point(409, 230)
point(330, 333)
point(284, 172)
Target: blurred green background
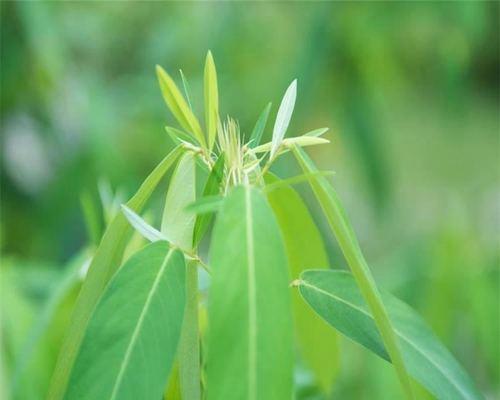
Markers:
point(409, 90)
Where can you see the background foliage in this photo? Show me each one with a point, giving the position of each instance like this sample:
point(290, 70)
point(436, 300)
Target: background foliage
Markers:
point(409, 90)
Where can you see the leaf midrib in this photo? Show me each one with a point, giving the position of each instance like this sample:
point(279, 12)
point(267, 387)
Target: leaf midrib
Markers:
point(403, 337)
point(252, 311)
point(138, 327)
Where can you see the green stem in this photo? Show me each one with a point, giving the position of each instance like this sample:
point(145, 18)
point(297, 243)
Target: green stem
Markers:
point(349, 245)
point(189, 347)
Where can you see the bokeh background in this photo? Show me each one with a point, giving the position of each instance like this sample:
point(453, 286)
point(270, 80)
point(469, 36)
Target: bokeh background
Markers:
point(409, 90)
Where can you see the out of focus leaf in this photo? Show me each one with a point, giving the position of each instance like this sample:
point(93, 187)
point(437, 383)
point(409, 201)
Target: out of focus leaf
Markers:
point(335, 296)
point(318, 345)
point(131, 358)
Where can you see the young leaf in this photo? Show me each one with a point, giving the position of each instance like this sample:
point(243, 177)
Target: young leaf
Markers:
point(316, 132)
point(106, 261)
point(178, 106)
point(179, 136)
point(337, 219)
point(185, 86)
point(141, 226)
point(336, 298)
point(131, 340)
point(301, 141)
point(258, 129)
point(249, 343)
point(177, 224)
point(211, 100)
point(212, 188)
point(318, 344)
point(284, 115)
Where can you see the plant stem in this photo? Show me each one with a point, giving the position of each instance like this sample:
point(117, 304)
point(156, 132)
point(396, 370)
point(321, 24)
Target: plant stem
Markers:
point(189, 347)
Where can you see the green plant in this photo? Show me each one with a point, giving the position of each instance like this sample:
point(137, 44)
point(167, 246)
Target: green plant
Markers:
point(138, 329)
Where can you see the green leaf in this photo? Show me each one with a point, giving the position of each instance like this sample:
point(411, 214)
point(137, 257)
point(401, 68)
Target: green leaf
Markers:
point(316, 132)
point(211, 100)
point(294, 180)
point(212, 187)
point(179, 137)
point(92, 217)
point(341, 227)
point(286, 144)
point(177, 224)
point(106, 261)
point(249, 341)
point(131, 340)
point(206, 205)
point(178, 106)
point(185, 86)
point(336, 298)
point(141, 226)
point(284, 115)
point(317, 342)
point(259, 127)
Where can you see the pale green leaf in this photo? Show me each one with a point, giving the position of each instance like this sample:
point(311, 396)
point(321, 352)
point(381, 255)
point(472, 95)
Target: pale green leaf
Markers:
point(185, 86)
point(180, 137)
point(316, 132)
point(249, 343)
point(349, 245)
point(212, 187)
point(287, 143)
point(150, 233)
point(177, 223)
point(205, 205)
point(178, 106)
point(131, 340)
point(259, 127)
point(283, 117)
point(106, 261)
point(317, 343)
point(211, 99)
point(336, 298)
point(294, 180)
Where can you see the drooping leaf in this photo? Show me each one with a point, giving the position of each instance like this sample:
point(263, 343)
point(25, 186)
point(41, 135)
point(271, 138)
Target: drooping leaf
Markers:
point(341, 227)
point(178, 106)
point(106, 261)
point(318, 345)
point(212, 188)
point(130, 343)
point(249, 341)
point(177, 224)
point(259, 127)
point(284, 115)
point(149, 232)
point(211, 99)
point(336, 298)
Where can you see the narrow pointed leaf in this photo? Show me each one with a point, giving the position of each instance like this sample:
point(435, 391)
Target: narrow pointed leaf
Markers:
point(179, 137)
point(336, 298)
point(106, 261)
point(150, 233)
point(301, 141)
point(341, 227)
point(129, 346)
point(211, 99)
point(185, 86)
point(259, 127)
point(212, 188)
point(316, 132)
point(294, 180)
point(249, 341)
point(205, 205)
point(178, 106)
point(318, 344)
point(177, 224)
point(284, 115)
